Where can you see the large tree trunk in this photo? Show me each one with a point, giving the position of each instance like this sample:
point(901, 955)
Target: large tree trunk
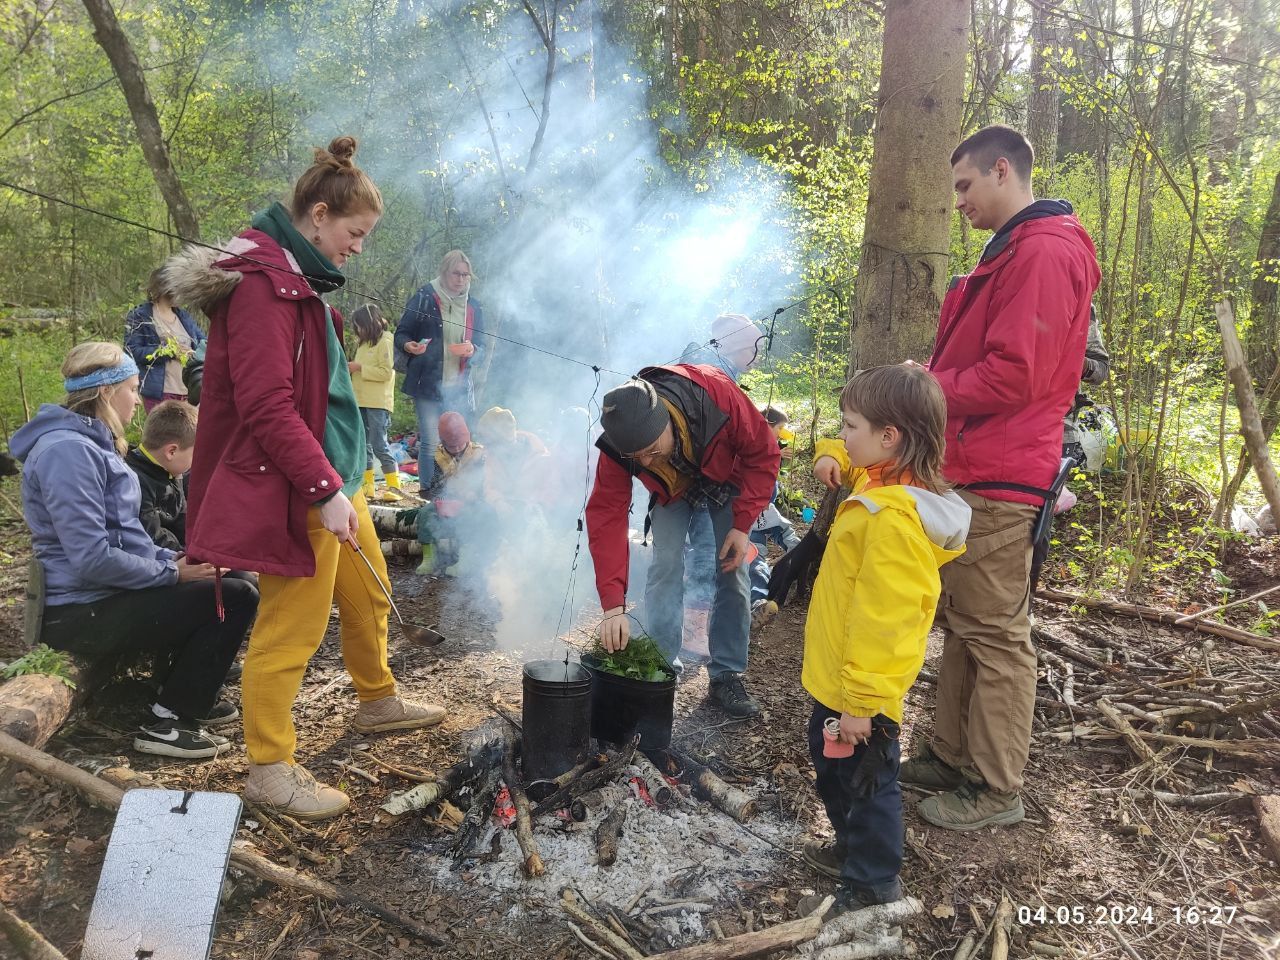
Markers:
point(111, 37)
point(1042, 101)
point(1263, 341)
point(902, 273)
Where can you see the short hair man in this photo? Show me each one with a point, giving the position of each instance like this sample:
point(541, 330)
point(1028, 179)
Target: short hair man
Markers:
point(1008, 355)
point(691, 436)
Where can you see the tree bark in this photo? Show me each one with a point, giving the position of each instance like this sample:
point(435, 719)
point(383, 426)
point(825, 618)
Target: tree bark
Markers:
point(1255, 438)
point(115, 43)
point(902, 272)
point(1042, 101)
point(1264, 327)
point(26, 939)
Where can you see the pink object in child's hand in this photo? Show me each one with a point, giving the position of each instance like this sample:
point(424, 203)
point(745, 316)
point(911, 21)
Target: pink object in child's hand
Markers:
point(832, 745)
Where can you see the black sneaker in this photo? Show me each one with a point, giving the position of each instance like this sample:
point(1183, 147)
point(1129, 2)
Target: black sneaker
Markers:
point(235, 671)
point(732, 697)
point(222, 712)
point(180, 738)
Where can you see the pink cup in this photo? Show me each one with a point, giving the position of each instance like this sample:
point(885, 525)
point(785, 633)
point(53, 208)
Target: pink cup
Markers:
point(832, 745)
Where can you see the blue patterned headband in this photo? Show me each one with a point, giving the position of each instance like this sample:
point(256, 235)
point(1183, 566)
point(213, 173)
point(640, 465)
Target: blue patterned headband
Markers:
point(103, 376)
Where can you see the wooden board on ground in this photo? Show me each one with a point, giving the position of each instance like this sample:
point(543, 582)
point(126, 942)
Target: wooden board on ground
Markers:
point(162, 878)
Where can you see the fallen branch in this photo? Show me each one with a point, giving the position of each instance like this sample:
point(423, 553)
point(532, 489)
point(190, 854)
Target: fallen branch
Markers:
point(532, 861)
point(707, 786)
point(607, 835)
point(1170, 617)
point(1224, 606)
point(881, 944)
point(1255, 436)
point(1193, 801)
point(26, 939)
point(756, 944)
point(104, 794)
point(589, 780)
point(857, 921)
point(588, 942)
point(404, 773)
point(1268, 811)
point(1252, 749)
point(1004, 926)
point(607, 936)
point(1131, 738)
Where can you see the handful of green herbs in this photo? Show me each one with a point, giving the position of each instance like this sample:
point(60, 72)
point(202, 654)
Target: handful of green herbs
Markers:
point(641, 660)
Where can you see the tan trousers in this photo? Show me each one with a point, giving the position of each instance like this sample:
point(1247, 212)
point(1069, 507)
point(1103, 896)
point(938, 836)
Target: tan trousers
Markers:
point(292, 618)
point(987, 683)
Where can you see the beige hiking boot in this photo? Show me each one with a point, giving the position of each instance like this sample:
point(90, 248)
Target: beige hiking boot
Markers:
point(393, 713)
point(289, 788)
point(972, 806)
point(926, 770)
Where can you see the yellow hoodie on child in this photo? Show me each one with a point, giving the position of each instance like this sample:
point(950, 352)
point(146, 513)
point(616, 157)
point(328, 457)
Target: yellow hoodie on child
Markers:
point(877, 590)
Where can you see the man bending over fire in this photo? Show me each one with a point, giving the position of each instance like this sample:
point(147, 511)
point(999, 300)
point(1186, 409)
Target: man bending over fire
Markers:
point(692, 438)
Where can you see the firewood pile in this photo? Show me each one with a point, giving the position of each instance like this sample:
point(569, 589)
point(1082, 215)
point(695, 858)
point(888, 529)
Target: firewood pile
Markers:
point(1176, 710)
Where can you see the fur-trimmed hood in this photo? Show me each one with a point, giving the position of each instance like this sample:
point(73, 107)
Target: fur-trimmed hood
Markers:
point(193, 278)
point(205, 276)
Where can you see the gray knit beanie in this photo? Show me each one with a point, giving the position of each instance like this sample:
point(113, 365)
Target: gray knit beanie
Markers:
point(633, 416)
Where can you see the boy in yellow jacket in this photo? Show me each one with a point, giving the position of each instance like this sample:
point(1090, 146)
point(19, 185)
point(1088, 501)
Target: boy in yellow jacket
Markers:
point(872, 605)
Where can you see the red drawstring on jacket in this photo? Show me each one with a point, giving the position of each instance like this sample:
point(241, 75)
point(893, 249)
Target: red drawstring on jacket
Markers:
point(217, 594)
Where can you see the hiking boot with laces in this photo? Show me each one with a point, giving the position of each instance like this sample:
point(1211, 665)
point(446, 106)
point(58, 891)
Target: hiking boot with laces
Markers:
point(288, 788)
point(731, 696)
point(926, 770)
point(180, 738)
point(850, 898)
point(393, 713)
point(972, 806)
point(826, 858)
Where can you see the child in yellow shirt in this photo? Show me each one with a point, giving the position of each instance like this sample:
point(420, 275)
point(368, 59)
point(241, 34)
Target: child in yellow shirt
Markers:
point(373, 379)
point(872, 605)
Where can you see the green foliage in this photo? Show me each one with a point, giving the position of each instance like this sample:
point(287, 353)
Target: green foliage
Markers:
point(640, 660)
point(41, 660)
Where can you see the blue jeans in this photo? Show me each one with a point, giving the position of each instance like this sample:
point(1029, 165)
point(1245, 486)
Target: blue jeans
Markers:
point(730, 625)
point(376, 422)
point(428, 414)
point(868, 829)
point(701, 560)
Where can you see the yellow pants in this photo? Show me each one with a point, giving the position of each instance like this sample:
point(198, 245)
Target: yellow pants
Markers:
point(293, 615)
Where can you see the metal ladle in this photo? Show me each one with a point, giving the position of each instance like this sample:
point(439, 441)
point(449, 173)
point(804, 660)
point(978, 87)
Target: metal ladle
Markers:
point(422, 636)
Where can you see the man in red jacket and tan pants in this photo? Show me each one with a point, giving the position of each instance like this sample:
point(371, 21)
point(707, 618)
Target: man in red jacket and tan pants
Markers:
point(1008, 354)
point(691, 436)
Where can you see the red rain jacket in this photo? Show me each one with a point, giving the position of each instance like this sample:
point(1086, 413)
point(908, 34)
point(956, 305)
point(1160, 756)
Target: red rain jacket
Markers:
point(1009, 352)
point(743, 452)
point(259, 463)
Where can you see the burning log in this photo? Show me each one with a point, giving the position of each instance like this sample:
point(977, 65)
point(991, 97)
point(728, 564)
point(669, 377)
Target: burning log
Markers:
point(607, 835)
point(478, 814)
point(481, 747)
point(589, 781)
point(707, 786)
point(653, 779)
point(524, 823)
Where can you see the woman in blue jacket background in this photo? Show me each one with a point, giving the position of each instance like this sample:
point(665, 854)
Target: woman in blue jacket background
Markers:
point(148, 330)
point(440, 334)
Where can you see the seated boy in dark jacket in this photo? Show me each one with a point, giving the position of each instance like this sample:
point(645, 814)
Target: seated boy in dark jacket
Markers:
point(160, 460)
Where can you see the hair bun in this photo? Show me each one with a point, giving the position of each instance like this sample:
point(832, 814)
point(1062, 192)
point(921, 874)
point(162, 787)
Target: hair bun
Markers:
point(343, 149)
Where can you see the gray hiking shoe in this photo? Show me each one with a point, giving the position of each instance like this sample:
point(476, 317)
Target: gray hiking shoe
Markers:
point(972, 806)
point(926, 770)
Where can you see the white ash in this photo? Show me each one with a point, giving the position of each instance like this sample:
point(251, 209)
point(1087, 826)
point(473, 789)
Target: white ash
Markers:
point(657, 849)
